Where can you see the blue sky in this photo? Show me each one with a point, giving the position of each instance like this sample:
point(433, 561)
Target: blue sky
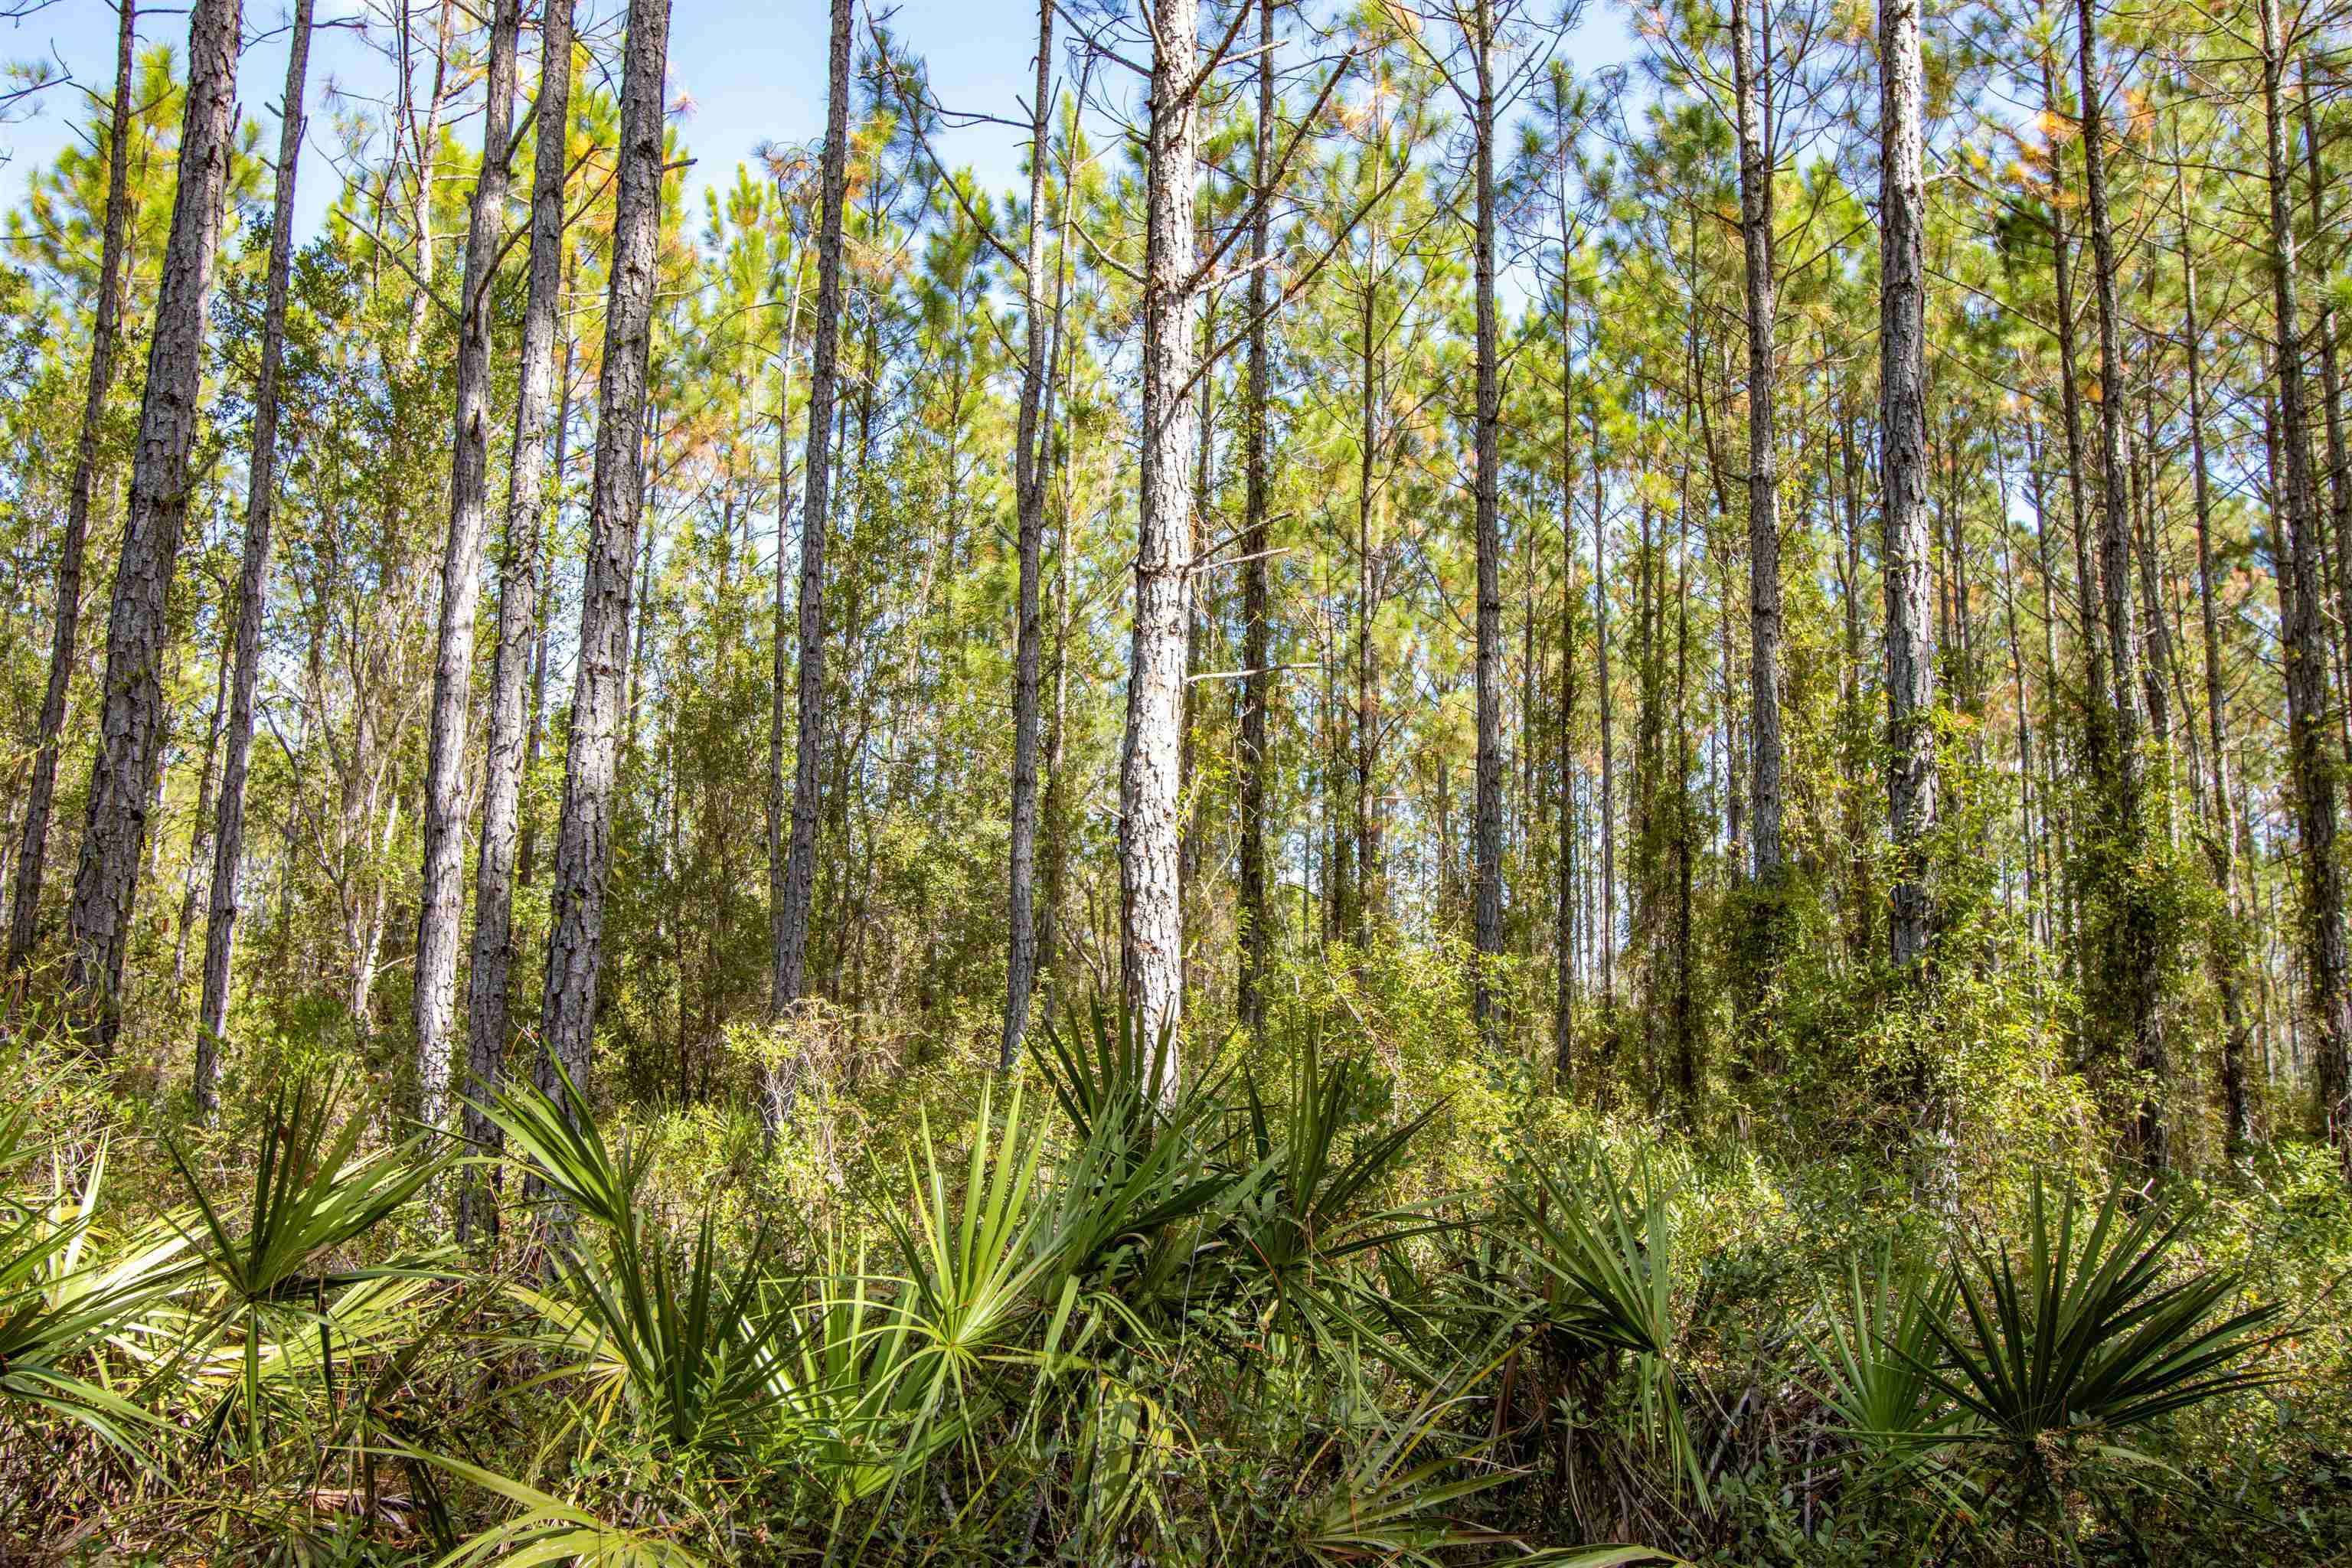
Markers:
point(752, 71)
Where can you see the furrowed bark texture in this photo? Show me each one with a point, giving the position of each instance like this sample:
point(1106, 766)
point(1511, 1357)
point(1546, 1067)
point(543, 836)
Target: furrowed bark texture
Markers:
point(1256, 579)
point(1902, 421)
point(2310, 758)
point(105, 344)
point(253, 583)
point(790, 974)
point(1763, 461)
point(440, 910)
point(583, 845)
point(2135, 975)
point(1029, 487)
point(490, 984)
point(2228, 943)
point(1150, 893)
point(1486, 916)
point(132, 713)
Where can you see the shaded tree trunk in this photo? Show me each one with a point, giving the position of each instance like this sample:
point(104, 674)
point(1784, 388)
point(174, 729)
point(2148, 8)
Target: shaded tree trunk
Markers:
point(424, 153)
point(1487, 920)
point(491, 983)
point(200, 836)
point(1755, 133)
point(2094, 730)
point(790, 971)
point(253, 583)
point(2227, 945)
point(1257, 577)
point(2133, 975)
point(1564, 933)
point(2324, 958)
point(527, 858)
point(105, 341)
point(1366, 717)
point(440, 907)
point(132, 717)
point(583, 845)
point(1605, 925)
point(1903, 425)
point(2331, 382)
point(1029, 500)
point(777, 1088)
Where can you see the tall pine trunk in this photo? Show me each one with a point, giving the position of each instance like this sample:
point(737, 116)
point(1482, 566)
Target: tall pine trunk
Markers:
point(2331, 380)
point(527, 858)
point(200, 835)
point(2313, 767)
point(791, 921)
point(2134, 977)
point(253, 582)
point(1029, 499)
point(1605, 927)
point(1752, 98)
point(491, 983)
point(776, 1088)
point(1366, 717)
point(105, 342)
point(440, 907)
point(1903, 436)
point(1487, 920)
point(2094, 737)
point(1151, 914)
point(1564, 926)
point(132, 717)
point(1256, 575)
point(2227, 946)
point(584, 844)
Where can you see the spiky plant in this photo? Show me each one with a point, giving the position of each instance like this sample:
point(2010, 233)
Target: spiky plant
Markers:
point(686, 1340)
point(2083, 1334)
point(313, 1194)
point(1607, 1250)
point(62, 1307)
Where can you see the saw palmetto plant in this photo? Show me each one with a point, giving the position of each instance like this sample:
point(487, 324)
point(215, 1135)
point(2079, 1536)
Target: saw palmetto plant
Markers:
point(2067, 1343)
point(280, 1264)
point(1605, 1248)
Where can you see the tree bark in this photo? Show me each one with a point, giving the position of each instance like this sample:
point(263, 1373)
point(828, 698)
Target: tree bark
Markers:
point(2096, 738)
point(105, 341)
point(2135, 975)
point(490, 986)
point(1372, 371)
point(2227, 949)
point(253, 582)
point(1564, 918)
point(200, 835)
point(1151, 916)
point(1903, 422)
point(583, 842)
point(2324, 958)
point(1029, 501)
point(790, 971)
point(777, 1091)
point(132, 717)
point(1486, 925)
point(441, 900)
point(425, 154)
point(1256, 575)
point(1605, 927)
point(2114, 522)
point(2331, 380)
point(527, 858)
point(1751, 93)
